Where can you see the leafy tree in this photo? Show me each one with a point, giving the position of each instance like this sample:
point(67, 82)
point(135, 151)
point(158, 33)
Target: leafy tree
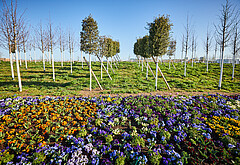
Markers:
point(159, 37)
point(89, 40)
point(102, 49)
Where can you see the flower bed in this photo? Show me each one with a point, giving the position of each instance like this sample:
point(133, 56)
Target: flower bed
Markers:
point(130, 130)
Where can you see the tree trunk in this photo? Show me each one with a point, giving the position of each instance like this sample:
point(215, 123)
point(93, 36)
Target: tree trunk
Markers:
point(156, 73)
point(207, 60)
point(90, 66)
point(72, 57)
point(25, 59)
point(221, 72)
point(71, 62)
point(185, 65)
point(101, 66)
point(53, 67)
point(18, 73)
point(30, 56)
point(142, 64)
point(147, 71)
point(11, 63)
point(233, 64)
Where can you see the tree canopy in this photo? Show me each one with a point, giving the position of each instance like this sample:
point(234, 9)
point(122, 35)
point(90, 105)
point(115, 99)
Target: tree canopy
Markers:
point(159, 32)
point(89, 35)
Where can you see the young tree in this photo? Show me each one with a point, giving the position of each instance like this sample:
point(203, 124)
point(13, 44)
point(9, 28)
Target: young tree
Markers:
point(182, 48)
point(145, 51)
point(186, 45)
point(12, 28)
point(103, 49)
point(207, 47)
point(60, 40)
point(193, 47)
point(171, 50)
point(41, 42)
point(235, 43)
point(224, 30)
point(89, 40)
point(159, 36)
point(51, 44)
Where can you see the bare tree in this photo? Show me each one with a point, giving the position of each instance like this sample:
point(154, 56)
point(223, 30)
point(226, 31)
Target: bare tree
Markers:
point(207, 47)
point(235, 43)
point(186, 45)
point(224, 30)
point(41, 44)
point(12, 28)
point(51, 44)
point(60, 40)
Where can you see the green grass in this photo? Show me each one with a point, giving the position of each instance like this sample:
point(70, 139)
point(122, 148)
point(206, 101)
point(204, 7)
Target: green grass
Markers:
point(128, 78)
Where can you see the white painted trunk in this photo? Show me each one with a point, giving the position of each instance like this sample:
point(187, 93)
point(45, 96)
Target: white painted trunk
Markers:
point(142, 65)
point(147, 71)
point(25, 59)
point(221, 73)
point(156, 77)
point(64, 56)
point(138, 62)
point(53, 67)
point(233, 64)
point(18, 73)
point(82, 59)
point(207, 61)
point(61, 59)
point(43, 62)
point(101, 66)
point(11, 63)
point(71, 62)
point(90, 87)
point(185, 65)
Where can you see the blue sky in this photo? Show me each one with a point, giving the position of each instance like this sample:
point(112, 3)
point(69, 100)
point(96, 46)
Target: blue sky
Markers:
point(125, 20)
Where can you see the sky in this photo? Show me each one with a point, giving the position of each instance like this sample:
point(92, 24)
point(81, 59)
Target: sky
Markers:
point(125, 20)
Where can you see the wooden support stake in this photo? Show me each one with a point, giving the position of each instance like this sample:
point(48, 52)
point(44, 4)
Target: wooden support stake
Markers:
point(162, 75)
point(111, 66)
point(173, 65)
point(93, 74)
point(104, 68)
point(150, 69)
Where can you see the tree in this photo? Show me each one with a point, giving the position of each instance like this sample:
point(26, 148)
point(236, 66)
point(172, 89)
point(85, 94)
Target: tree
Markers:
point(89, 40)
point(109, 49)
point(60, 40)
point(207, 47)
point(12, 28)
point(51, 44)
point(182, 50)
point(159, 37)
point(235, 42)
point(41, 42)
point(145, 50)
point(171, 50)
point(193, 47)
point(186, 45)
point(224, 30)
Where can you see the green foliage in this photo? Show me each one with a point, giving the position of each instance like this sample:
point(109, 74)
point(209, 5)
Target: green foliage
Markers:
point(155, 159)
point(6, 157)
point(228, 140)
point(137, 140)
point(39, 158)
point(89, 35)
point(159, 32)
point(82, 132)
point(98, 122)
point(120, 160)
point(108, 138)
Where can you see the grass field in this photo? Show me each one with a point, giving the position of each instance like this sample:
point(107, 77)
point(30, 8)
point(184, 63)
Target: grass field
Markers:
point(128, 78)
